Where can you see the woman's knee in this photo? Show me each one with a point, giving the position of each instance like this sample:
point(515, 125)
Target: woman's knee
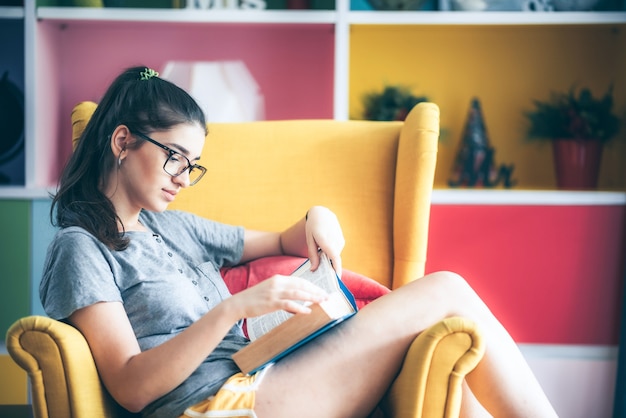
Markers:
point(466, 301)
point(450, 280)
point(450, 288)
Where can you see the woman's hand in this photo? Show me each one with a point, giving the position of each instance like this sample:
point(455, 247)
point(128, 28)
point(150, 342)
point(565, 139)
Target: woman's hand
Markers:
point(320, 230)
point(323, 232)
point(276, 293)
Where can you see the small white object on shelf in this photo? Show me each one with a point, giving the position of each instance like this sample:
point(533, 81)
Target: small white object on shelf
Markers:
point(225, 90)
point(469, 5)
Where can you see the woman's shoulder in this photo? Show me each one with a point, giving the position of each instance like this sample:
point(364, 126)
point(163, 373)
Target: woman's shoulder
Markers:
point(74, 236)
point(73, 233)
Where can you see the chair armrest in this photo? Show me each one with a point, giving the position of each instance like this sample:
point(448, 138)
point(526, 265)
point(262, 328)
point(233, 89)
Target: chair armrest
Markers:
point(431, 377)
point(63, 375)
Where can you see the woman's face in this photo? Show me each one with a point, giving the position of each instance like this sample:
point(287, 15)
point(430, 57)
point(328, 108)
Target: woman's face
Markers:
point(142, 180)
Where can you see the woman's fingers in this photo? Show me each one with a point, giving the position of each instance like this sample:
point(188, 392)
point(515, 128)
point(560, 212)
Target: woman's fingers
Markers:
point(280, 293)
point(323, 232)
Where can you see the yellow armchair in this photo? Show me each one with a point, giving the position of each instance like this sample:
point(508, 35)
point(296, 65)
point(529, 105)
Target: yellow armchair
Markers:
point(376, 176)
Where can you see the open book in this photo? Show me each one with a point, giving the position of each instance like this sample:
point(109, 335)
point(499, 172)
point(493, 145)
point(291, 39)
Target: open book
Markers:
point(278, 333)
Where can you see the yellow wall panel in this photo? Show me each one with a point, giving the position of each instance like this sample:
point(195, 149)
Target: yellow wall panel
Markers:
point(13, 383)
point(506, 67)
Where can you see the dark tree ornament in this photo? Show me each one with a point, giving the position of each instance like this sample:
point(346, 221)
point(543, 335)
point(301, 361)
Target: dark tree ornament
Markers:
point(474, 165)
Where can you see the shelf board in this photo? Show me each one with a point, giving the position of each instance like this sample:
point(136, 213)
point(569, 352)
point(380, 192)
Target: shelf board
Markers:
point(24, 193)
point(439, 196)
point(485, 18)
point(10, 12)
point(527, 197)
point(68, 14)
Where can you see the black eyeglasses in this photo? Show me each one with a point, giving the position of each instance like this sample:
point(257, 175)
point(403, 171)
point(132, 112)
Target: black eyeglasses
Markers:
point(176, 163)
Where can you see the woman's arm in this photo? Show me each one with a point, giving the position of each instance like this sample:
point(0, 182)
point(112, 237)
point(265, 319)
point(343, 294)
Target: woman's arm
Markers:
point(318, 229)
point(135, 378)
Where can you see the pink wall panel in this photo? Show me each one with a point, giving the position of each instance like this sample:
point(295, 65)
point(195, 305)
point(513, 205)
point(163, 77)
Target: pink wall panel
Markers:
point(295, 73)
point(552, 274)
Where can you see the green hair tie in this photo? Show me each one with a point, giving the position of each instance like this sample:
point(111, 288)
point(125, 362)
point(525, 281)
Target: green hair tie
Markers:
point(148, 73)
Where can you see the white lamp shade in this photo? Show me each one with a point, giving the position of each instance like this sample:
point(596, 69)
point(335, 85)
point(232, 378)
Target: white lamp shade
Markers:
point(225, 90)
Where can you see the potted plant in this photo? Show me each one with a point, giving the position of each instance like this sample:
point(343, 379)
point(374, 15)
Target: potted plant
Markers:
point(393, 103)
point(578, 124)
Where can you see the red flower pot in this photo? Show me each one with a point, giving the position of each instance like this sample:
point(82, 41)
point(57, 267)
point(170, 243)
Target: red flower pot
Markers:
point(577, 163)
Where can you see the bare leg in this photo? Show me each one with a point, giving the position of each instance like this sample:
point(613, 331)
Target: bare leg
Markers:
point(470, 407)
point(346, 372)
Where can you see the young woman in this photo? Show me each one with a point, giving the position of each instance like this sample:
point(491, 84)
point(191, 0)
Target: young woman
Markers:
point(143, 285)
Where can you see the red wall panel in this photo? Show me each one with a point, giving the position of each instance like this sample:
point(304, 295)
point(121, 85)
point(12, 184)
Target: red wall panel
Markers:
point(552, 274)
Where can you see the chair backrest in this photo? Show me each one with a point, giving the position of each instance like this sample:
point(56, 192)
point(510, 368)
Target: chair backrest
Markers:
point(376, 176)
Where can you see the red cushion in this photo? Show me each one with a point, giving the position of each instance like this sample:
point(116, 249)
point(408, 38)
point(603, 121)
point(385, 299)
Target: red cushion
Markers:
point(241, 277)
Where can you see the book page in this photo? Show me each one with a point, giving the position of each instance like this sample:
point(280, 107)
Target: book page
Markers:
point(324, 277)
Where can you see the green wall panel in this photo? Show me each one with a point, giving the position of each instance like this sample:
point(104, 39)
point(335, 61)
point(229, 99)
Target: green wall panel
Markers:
point(14, 262)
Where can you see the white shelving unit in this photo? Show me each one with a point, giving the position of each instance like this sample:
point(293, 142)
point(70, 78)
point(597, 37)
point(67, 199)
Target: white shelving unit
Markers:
point(342, 18)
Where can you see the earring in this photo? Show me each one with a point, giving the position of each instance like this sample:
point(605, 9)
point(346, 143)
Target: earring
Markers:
point(119, 158)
